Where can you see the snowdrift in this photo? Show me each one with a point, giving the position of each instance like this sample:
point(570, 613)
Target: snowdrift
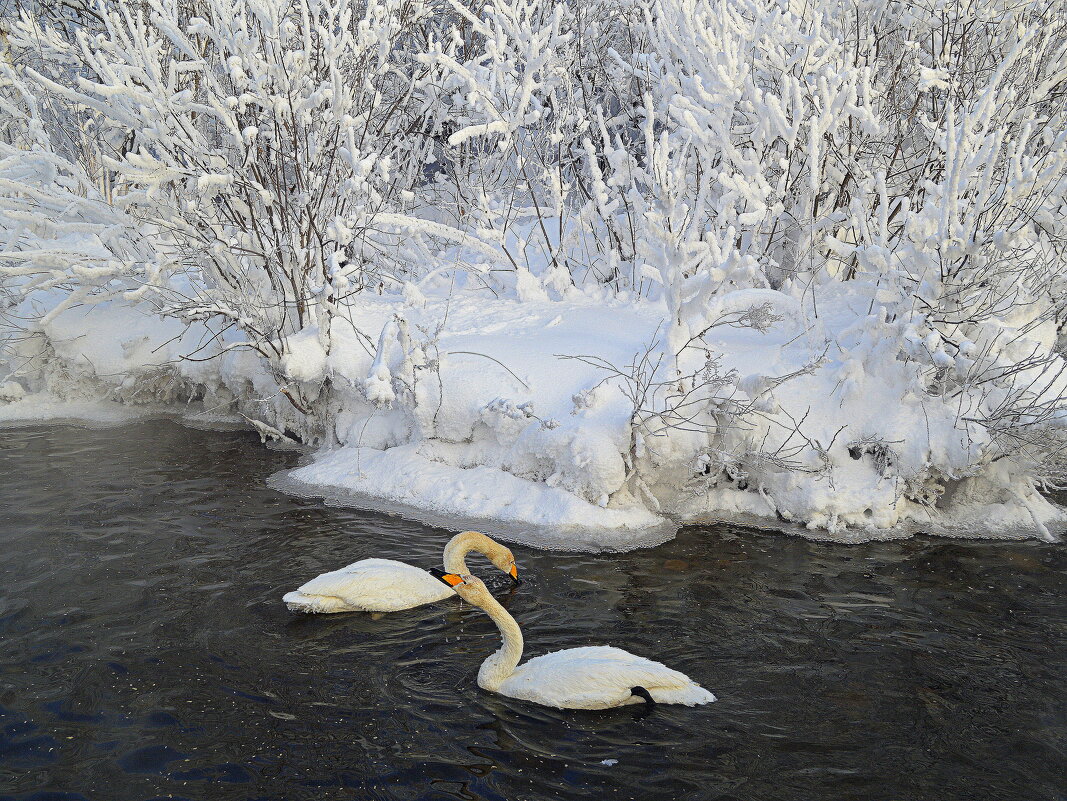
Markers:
point(478, 410)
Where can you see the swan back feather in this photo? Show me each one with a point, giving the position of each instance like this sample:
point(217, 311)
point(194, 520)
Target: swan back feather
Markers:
point(370, 585)
point(599, 677)
point(386, 585)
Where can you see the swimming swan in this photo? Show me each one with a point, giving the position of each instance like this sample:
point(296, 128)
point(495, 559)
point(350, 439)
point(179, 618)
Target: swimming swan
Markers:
point(385, 585)
point(596, 677)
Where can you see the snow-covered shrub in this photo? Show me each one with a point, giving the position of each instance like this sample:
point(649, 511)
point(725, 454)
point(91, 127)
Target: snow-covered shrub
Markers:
point(685, 149)
point(507, 85)
point(268, 152)
point(959, 221)
point(58, 234)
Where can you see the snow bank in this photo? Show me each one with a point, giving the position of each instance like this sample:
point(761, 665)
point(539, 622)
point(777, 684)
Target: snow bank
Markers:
point(31, 409)
point(474, 409)
point(408, 480)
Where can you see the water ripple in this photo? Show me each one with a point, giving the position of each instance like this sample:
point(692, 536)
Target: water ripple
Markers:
point(147, 654)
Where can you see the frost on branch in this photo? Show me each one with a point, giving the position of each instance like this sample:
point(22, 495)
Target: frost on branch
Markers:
point(267, 149)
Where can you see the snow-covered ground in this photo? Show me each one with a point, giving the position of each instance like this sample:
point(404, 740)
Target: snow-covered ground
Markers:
point(474, 409)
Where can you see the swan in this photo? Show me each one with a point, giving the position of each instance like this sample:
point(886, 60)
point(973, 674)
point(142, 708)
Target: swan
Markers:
point(594, 677)
point(385, 585)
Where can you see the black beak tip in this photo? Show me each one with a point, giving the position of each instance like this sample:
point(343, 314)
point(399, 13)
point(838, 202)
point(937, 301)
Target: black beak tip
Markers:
point(438, 574)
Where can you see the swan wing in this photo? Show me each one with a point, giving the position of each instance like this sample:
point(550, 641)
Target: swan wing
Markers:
point(599, 677)
point(370, 585)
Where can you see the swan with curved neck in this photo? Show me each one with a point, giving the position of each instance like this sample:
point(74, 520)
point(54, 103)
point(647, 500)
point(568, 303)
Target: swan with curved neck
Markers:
point(385, 585)
point(594, 677)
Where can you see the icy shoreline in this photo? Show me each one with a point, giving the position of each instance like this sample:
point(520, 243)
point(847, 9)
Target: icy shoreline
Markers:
point(635, 529)
point(476, 410)
point(572, 537)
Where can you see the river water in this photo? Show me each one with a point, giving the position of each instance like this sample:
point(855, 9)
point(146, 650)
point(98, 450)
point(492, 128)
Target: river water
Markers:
point(145, 653)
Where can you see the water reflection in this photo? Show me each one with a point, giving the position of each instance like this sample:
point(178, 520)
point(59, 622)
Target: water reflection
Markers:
point(146, 652)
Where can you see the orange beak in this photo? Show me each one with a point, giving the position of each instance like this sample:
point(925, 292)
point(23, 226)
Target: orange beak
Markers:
point(451, 579)
point(514, 572)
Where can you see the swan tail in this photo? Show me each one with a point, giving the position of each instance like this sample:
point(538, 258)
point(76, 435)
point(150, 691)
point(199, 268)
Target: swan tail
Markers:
point(641, 692)
point(691, 694)
point(314, 604)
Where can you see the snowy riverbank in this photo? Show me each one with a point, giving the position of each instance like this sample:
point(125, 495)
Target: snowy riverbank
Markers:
point(476, 408)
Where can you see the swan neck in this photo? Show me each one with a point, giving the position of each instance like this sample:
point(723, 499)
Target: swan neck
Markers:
point(500, 665)
point(455, 557)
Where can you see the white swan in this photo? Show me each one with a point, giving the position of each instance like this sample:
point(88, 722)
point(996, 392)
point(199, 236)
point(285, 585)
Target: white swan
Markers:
point(385, 585)
point(596, 677)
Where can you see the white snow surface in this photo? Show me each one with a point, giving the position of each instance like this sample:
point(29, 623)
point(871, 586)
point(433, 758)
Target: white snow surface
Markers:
point(467, 411)
point(438, 492)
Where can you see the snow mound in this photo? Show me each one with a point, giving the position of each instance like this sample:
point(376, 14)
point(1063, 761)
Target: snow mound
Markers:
point(520, 416)
point(515, 508)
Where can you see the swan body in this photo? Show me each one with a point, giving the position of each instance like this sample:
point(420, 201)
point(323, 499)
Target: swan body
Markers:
point(598, 677)
point(386, 585)
point(594, 677)
point(369, 585)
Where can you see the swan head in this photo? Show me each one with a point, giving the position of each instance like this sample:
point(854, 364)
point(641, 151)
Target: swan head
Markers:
point(470, 588)
point(499, 555)
point(504, 560)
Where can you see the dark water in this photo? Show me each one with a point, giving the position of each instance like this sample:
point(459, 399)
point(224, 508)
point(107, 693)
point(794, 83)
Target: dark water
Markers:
point(145, 653)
